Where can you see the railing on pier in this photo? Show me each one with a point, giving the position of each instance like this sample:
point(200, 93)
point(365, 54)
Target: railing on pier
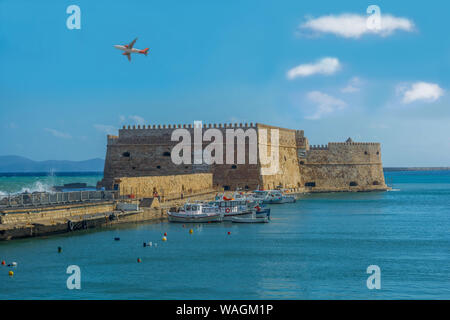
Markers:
point(53, 198)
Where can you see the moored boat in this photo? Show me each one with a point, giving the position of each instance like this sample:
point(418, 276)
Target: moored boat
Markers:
point(261, 212)
point(196, 212)
point(232, 208)
point(274, 197)
point(251, 219)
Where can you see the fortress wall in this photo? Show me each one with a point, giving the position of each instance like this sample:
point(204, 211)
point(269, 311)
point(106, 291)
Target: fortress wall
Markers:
point(145, 151)
point(288, 175)
point(169, 187)
point(354, 152)
point(139, 152)
point(336, 166)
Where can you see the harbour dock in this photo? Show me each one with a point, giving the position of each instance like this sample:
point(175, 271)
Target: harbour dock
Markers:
point(43, 214)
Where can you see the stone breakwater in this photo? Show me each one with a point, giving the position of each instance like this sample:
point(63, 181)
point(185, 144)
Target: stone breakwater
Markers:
point(24, 222)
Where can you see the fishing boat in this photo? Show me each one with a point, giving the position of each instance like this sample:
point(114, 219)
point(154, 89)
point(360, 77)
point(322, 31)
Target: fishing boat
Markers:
point(232, 208)
point(272, 196)
point(251, 219)
point(196, 212)
point(262, 212)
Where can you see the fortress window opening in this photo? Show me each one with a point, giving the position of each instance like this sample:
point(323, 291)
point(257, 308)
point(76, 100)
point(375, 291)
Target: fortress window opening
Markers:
point(353, 184)
point(310, 184)
point(126, 154)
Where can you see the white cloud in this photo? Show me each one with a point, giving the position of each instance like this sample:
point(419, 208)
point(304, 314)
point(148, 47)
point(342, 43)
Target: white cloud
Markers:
point(354, 26)
point(423, 91)
point(325, 66)
point(106, 128)
point(354, 85)
point(325, 104)
point(58, 134)
point(137, 119)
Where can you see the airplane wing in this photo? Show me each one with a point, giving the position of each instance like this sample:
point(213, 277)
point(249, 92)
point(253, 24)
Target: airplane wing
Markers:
point(128, 56)
point(132, 43)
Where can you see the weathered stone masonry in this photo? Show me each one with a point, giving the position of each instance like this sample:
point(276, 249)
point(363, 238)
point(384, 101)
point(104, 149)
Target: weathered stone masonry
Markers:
point(145, 151)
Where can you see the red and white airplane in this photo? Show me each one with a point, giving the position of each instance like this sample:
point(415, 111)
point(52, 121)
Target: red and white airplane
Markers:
point(128, 48)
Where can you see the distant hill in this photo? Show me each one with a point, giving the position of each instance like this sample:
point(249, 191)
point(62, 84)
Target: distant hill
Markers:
point(21, 164)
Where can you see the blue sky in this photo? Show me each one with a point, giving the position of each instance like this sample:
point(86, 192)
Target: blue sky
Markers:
point(289, 63)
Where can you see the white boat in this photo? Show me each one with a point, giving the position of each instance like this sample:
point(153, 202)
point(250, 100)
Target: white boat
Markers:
point(273, 196)
point(232, 208)
point(196, 212)
point(261, 212)
point(251, 219)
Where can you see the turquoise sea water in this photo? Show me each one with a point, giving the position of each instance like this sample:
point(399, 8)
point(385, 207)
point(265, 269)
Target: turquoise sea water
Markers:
point(30, 182)
point(317, 248)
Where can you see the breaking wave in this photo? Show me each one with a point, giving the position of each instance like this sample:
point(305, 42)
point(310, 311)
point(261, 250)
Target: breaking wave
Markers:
point(38, 186)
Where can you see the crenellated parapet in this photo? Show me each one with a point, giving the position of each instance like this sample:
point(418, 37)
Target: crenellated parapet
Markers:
point(318, 147)
point(355, 143)
point(188, 126)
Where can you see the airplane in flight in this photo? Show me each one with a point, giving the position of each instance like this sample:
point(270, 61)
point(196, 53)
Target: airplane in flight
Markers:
point(128, 48)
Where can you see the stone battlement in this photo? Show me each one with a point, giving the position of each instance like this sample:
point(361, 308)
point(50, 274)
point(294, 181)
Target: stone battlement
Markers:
point(318, 147)
point(355, 143)
point(189, 126)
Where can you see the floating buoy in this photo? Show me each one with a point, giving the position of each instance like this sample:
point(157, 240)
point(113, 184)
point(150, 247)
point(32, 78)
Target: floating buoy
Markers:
point(139, 260)
point(164, 238)
point(3, 262)
point(191, 231)
point(229, 232)
point(144, 244)
point(165, 233)
point(117, 238)
point(11, 273)
point(12, 264)
point(59, 249)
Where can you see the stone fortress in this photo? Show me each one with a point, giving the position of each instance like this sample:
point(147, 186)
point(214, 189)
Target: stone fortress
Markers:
point(138, 162)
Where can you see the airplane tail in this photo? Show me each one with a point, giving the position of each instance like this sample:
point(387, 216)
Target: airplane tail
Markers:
point(145, 51)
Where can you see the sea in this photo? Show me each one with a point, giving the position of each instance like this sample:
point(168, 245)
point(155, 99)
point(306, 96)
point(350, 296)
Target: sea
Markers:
point(374, 245)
